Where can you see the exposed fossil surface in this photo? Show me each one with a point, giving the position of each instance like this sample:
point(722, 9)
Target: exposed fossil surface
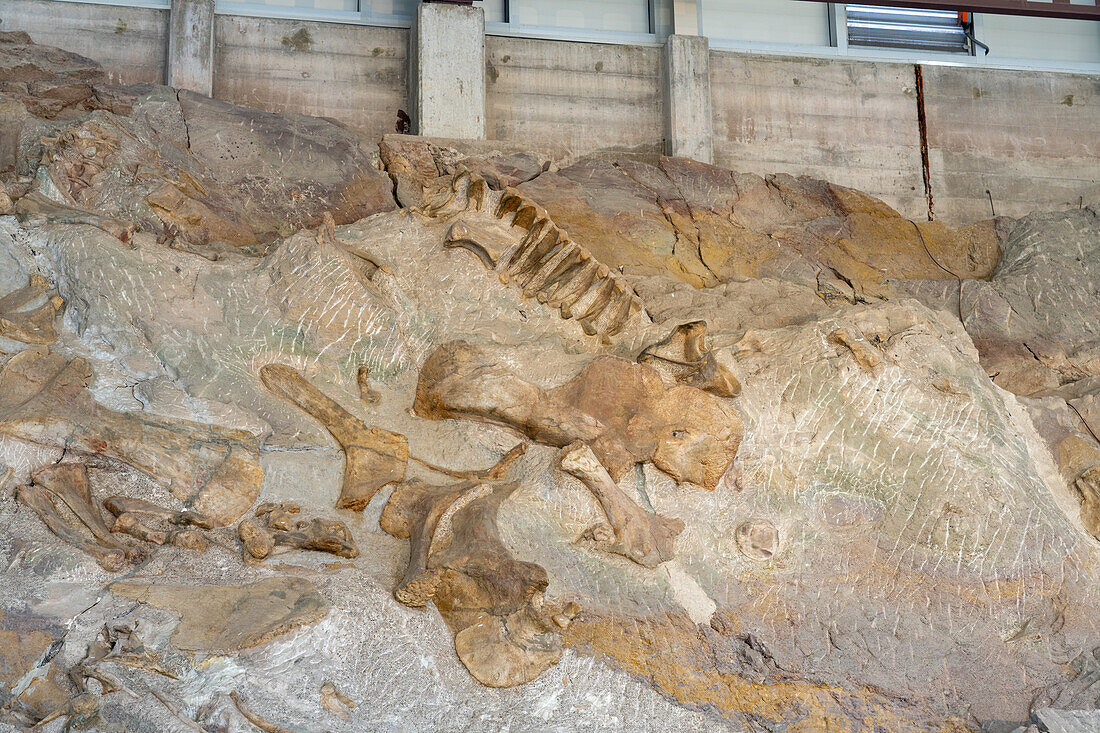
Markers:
point(653, 445)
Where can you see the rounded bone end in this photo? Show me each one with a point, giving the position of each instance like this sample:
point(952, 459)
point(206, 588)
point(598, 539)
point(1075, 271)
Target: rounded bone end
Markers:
point(578, 459)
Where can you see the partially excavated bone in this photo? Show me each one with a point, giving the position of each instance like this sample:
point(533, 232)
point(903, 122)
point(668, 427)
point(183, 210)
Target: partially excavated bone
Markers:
point(515, 238)
point(132, 514)
point(335, 701)
point(283, 532)
point(367, 393)
point(117, 642)
point(30, 325)
point(373, 457)
point(683, 357)
point(119, 505)
point(493, 602)
point(645, 538)
point(44, 400)
point(67, 483)
point(622, 410)
point(861, 349)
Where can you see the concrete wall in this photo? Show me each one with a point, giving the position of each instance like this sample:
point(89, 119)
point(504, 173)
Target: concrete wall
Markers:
point(1031, 138)
point(352, 73)
point(851, 122)
point(131, 43)
point(581, 96)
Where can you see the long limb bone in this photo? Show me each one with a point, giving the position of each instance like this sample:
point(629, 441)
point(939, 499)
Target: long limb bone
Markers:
point(119, 505)
point(373, 457)
point(645, 538)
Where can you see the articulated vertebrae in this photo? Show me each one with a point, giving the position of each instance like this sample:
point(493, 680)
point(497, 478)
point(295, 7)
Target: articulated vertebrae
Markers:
point(517, 240)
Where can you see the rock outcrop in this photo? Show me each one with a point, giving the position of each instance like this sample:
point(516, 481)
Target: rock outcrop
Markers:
point(292, 440)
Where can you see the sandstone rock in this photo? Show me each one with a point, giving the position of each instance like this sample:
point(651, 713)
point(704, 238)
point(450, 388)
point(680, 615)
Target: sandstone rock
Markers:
point(219, 619)
point(706, 225)
point(44, 400)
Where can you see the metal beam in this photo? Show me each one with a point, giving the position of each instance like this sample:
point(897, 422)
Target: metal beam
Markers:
point(1055, 9)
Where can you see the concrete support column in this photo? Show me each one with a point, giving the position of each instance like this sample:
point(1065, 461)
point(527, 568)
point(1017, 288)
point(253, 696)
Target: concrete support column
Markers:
point(191, 46)
point(685, 17)
point(447, 71)
point(688, 130)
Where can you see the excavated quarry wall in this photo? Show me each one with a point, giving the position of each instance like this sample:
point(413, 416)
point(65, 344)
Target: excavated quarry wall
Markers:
point(1025, 137)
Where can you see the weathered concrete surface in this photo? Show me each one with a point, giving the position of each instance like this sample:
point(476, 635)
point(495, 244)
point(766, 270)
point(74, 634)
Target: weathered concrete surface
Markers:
point(1032, 139)
point(581, 96)
point(191, 45)
point(447, 71)
point(852, 122)
point(352, 73)
point(688, 133)
point(130, 43)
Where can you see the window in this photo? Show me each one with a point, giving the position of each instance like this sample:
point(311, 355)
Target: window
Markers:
point(910, 28)
point(615, 16)
point(383, 11)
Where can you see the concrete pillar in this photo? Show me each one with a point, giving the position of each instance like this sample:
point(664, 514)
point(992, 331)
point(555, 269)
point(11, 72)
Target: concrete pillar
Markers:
point(688, 131)
point(191, 46)
point(447, 71)
point(685, 17)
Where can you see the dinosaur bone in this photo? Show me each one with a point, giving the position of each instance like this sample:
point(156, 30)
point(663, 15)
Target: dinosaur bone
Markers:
point(683, 357)
point(131, 513)
point(34, 325)
point(44, 400)
point(284, 532)
point(493, 602)
point(622, 410)
point(68, 483)
point(645, 538)
point(373, 457)
point(515, 238)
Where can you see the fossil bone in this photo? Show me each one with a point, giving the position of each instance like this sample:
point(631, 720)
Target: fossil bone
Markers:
point(335, 701)
point(119, 505)
point(284, 532)
point(34, 325)
point(457, 560)
point(368, 394)
point(373, 457)
point(683, 356)
point(262, 723)
point(516, 238)
point(865, 354)
point(116, 642)
point(621, 409)
point(645, 538)
point(68, 483)
point(44, 400)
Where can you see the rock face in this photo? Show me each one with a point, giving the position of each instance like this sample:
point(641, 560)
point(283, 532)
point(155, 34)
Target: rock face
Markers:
point(653, 445)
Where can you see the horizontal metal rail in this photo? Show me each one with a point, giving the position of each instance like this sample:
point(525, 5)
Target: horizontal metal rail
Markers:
point(1055, 9)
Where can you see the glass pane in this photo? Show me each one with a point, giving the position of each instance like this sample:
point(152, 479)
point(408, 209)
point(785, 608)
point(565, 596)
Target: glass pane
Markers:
point(494, 10)
point(624, 16)
point(328, 5)
point(786, 22)
point(389, 9)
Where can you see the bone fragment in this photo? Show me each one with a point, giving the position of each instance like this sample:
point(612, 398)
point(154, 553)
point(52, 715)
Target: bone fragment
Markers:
point(645, 538)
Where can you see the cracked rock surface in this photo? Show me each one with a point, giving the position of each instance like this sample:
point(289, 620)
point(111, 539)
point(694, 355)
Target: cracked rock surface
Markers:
point(279, 455)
